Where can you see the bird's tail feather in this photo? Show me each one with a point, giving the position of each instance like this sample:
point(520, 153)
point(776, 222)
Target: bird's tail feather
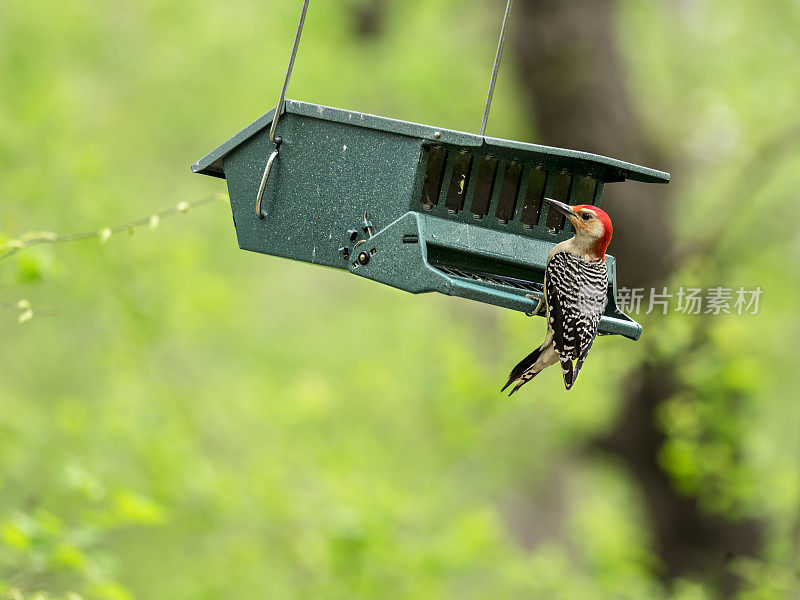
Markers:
point(523, 365)
point(569, 375)
point(526, 377)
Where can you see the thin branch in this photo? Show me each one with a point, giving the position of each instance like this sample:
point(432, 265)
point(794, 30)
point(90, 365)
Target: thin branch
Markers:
point(23, 306)
point(24, 242)
point(26, 312)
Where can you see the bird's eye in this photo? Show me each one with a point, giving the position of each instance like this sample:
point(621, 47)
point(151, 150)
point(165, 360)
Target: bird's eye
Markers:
point(586, 216)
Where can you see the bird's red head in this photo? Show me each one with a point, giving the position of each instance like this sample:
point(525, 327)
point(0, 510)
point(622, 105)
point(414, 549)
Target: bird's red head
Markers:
point(592, 225)
point(608, 229)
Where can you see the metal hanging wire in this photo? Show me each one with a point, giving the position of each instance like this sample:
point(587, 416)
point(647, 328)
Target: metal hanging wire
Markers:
point(498, 55)
point(281, 99)
point(289, 68)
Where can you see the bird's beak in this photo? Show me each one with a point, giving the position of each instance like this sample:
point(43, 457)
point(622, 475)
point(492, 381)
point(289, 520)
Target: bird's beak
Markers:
point(564, 209)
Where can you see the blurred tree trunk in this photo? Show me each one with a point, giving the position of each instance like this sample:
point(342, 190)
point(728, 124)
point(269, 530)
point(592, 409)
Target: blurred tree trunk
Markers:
point(574, 87)
point(575, 91)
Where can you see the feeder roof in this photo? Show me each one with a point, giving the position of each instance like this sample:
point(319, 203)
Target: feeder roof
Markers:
point(616, 170)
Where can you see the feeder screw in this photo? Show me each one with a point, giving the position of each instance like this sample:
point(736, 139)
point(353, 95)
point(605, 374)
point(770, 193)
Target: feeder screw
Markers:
point(363, 257)
point(367, 225)
point(437, 134)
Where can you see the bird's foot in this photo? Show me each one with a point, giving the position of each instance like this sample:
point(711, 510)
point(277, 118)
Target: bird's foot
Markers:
point(539, 305)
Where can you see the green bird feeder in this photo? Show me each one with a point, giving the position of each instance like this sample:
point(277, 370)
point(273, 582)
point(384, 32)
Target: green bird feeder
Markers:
point(419, 208)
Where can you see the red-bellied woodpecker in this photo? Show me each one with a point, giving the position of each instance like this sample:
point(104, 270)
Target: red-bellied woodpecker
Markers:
point(575, 295)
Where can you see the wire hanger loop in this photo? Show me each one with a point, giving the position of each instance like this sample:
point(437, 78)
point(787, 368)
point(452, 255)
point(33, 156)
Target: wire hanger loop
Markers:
point(279, 108)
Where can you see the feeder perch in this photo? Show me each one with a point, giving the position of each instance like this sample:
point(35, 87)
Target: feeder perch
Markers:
point(419, 208)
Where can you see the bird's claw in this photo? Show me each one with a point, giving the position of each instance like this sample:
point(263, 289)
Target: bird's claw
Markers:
point(537, 310)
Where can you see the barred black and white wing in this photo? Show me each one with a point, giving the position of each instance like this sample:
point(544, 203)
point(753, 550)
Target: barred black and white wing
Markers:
point(576, 292)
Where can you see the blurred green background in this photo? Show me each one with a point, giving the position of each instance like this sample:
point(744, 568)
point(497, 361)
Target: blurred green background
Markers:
point(201, 422)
